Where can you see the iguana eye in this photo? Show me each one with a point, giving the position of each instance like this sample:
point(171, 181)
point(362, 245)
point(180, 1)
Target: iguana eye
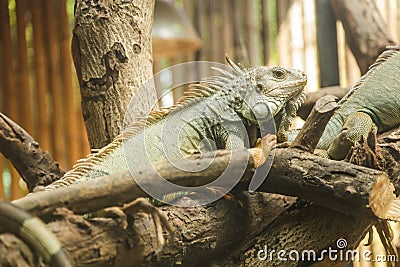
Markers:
point(279, 73)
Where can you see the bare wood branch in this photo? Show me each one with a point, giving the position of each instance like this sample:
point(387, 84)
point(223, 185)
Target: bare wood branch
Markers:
point(303, 227)
point(338, 185)
point(204, 233)
point(313, 128)
point(312, 98)
point(366, 31)
point(34, 165)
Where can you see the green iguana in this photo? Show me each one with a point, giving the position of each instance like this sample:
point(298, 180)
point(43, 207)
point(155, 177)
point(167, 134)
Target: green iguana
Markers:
point(371, 105)
point(372, 102)
point(217, 113)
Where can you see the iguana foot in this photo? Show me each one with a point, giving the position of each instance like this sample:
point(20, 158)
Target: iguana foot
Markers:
point(262, 149)
point(138, 205)
point(159, 219)
point(115, 213)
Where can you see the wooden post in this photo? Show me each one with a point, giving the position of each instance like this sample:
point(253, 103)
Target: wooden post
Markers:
point(313, 128)
point(327, 44)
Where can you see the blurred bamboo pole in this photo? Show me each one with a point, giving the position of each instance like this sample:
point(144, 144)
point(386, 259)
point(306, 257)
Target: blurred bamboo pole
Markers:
point(10, 92)
point(43, 127)
point(284, 37)
point(84, 140)
point(227, 30)
point(53, 76)
point(253, 33)
point(2, 189)
point(2, 109)
point(26, 117)
point(71, 123)
point(214, 8)
point(265, 31)
point(241, 53)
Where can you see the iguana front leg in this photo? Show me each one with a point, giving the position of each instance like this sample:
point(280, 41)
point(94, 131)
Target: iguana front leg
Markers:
point(357, 124)
point(263, 147)
point(286, 121)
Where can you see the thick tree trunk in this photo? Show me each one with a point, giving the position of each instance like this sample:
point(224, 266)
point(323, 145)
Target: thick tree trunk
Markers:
point(111, 47)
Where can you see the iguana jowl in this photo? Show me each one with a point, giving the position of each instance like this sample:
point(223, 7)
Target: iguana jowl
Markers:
point(372, 102)
point(217, 113)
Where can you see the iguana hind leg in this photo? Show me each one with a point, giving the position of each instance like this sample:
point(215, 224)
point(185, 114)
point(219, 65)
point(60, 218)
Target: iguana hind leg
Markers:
point(357, 124)
point(142, 204)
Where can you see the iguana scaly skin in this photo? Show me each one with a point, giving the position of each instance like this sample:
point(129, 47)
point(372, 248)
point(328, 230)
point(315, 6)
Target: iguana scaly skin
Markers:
point(374, 101)
point(217, 113)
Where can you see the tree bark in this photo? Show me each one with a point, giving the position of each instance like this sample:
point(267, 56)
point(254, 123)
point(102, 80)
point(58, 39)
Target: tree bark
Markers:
point(201, 234)
point(111, 47)
point(366, 31)
point(302, 227)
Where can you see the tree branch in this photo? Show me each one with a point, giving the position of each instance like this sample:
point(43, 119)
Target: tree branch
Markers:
point(312, 98)
point(309, 135)
point(34, 165)
point(366, 32)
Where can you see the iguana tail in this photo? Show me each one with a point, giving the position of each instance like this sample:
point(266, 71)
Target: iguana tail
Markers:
point(34, 232)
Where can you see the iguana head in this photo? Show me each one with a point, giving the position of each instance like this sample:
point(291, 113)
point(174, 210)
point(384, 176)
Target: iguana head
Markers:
point(265, 91)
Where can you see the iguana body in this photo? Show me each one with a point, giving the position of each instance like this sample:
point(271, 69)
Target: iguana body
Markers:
point(218, 113)
point(372, 102)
